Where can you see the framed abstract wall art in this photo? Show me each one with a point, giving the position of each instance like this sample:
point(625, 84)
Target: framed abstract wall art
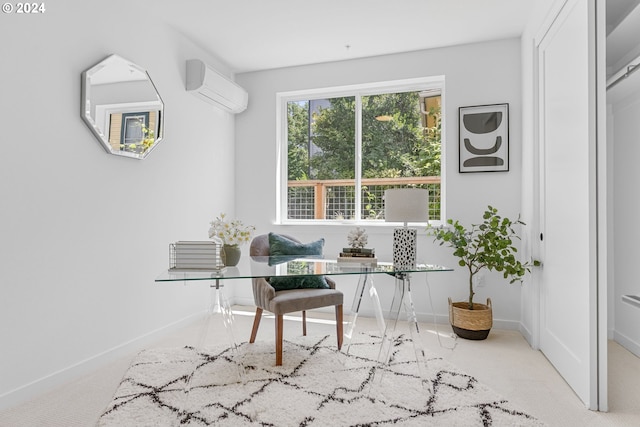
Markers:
point(484, 138)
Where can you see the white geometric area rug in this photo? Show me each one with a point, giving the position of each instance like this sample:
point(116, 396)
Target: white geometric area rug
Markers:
point(316, 386)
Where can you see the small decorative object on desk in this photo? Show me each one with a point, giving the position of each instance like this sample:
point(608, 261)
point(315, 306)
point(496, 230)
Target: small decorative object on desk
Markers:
point(372, 261)
point(232, 234)
point(357, 238)
point(196, 256)
point(405, 205)
point(357, 253)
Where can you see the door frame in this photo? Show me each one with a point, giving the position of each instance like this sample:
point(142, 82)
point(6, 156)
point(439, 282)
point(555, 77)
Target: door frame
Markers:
point(598, 293)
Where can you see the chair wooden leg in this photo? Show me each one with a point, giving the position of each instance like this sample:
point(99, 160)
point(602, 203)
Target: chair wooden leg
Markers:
point(256, 324)
point(304, 323)
point(339, 326)
point(279, 327)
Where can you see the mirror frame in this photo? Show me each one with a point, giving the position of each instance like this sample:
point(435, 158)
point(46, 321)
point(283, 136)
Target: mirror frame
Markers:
point(130, 108)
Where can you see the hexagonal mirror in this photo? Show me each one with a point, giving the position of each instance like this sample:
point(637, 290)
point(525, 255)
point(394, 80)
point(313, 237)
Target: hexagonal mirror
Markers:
point(122, 107)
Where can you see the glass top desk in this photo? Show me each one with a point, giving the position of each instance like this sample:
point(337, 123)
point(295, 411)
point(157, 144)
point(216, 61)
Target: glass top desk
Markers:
point(255, 267)
point(259, 266)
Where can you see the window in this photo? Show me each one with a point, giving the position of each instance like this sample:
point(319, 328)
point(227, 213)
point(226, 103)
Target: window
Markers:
point(341, 148)
point(132, 132)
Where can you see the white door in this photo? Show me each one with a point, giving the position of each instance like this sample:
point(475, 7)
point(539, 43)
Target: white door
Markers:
point(566, 56)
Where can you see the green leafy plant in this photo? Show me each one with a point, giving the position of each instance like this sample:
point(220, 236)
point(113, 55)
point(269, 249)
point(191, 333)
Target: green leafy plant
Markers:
point(486, 245)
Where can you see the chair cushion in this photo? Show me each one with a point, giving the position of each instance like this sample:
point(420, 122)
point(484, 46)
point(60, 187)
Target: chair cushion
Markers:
point(304, 299)
point(280, 245)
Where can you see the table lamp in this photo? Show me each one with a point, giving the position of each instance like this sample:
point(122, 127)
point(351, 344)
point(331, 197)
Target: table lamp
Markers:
point(405, 205)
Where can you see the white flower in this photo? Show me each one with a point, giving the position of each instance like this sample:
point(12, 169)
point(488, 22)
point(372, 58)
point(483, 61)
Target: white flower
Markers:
point(231, 232)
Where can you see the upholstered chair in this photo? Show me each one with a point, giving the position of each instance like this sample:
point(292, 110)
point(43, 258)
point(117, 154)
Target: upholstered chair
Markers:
point(286, 301)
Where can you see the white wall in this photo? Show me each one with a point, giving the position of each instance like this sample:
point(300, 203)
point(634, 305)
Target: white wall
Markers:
point(625, 128)
point(476, 74)
point(84, 233)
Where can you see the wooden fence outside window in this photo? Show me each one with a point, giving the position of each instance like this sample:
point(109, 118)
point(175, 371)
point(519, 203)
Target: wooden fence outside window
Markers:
point(335, 199)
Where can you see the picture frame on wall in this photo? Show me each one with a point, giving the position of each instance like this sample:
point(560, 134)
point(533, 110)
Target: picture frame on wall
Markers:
point(484, 138)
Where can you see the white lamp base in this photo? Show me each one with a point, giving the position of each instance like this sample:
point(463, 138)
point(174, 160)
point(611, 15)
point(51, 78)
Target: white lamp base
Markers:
point(404, 248)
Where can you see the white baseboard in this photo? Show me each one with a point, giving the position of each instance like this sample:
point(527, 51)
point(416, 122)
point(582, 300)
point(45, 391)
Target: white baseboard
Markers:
point(86, 366)
point(627, 343)
point(526, 333)
point(440, 319)
point(248, 301)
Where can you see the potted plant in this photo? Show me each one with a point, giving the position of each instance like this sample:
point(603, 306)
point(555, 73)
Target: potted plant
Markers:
point(233, 234)
point(488, 245)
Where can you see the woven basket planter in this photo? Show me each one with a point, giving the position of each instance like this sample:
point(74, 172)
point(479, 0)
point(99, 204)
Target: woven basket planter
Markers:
point(471, 324)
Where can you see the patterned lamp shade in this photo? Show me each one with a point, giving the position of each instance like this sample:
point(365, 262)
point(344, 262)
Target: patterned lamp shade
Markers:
point(405, 205)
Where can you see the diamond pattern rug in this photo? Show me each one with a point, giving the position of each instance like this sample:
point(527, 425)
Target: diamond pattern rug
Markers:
point(316, 386)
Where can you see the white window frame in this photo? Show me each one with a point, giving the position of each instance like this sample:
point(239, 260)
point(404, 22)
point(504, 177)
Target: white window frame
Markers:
point(421, 84)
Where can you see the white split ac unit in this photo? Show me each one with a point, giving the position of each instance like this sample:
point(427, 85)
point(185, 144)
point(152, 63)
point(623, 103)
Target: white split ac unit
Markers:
point(214, 88)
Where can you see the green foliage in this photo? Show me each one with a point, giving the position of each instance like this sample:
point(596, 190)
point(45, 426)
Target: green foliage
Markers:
point(424, 159)
point(486, 245)
point(333, 131)
point(398, 147)
point(385, 142)
point(298, 135)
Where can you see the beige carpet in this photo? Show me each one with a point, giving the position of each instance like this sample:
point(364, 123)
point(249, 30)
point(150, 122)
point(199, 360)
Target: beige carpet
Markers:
point(504, 362)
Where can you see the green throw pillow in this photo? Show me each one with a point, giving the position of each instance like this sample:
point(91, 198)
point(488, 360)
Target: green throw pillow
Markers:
point(281, 283)
point(282, 248)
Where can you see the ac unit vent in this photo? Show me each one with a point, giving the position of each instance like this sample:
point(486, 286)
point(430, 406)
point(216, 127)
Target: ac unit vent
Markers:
point(214, 88)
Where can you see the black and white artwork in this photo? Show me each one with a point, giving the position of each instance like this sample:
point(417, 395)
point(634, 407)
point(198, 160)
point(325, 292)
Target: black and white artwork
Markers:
point(484, 138)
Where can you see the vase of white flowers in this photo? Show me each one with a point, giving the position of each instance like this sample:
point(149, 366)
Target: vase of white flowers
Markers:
point(233, 234)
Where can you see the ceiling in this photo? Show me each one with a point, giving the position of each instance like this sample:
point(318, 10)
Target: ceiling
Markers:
point(251, 35)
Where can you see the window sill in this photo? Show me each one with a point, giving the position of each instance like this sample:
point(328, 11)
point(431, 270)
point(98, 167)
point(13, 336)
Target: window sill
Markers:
point(375, 224)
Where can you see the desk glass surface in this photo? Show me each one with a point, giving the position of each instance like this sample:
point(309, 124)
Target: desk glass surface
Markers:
point(253, 267)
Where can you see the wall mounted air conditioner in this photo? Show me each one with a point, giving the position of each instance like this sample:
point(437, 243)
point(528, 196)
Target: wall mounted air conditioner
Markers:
point(214, 88)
